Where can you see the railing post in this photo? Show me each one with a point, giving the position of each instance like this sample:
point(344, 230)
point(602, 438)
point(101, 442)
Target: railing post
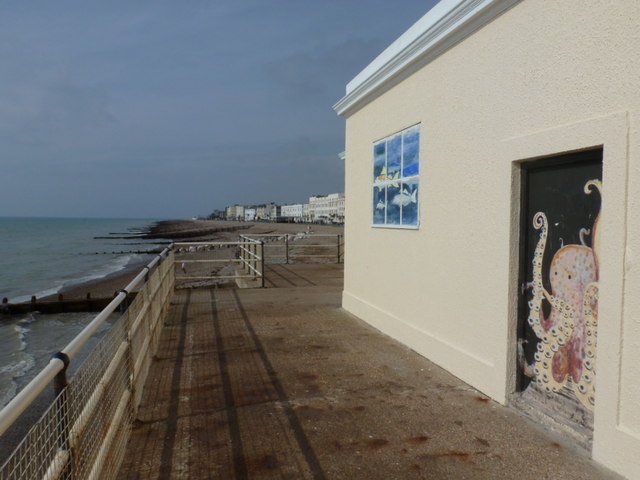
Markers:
point(262, 264)
point(339, 238)
point(240, 254)
point(254, 263)
point(286, 244)
point(59, 385)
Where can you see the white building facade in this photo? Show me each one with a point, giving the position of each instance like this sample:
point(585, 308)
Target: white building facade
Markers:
point(492, 163)
point(249, 214)
point(293, 212)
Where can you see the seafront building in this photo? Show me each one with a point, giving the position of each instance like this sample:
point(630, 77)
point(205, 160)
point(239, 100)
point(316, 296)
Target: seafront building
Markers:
point(273, 211)
point(320, 209)
point(492, 157)
point(293, 213)
point(235, 212)
point(261, 212)
point(249, 214)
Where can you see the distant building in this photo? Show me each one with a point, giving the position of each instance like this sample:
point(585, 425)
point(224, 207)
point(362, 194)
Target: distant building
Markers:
point(327, 208)
point(249, 214)
point(336, 207)
point(292, 213)
point(273, 212)
point(235, 212)
point(307, 214)
point(261, 212)
point(320, 209)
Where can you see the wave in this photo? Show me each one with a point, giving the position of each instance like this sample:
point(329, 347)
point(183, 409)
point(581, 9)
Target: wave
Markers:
point(115, 265)
point(10, 373)
point(22, 336)
point(21, 367)
point(8, 390)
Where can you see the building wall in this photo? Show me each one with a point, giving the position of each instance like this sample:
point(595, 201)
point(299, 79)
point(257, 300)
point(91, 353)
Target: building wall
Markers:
point(249, 214)
point(538, 80)
point(292, 211)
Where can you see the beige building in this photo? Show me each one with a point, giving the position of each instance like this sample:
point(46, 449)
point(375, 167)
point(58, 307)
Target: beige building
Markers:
point(327, 208)
point(336, 207)
point(235, 212)
point(273, 211)
point(307, 213)
point(492, 155)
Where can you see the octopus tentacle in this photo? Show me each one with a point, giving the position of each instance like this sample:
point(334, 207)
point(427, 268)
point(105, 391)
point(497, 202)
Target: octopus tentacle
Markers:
point(585, 389)
point(555, 332)
point(583, 232)
point(593, 183)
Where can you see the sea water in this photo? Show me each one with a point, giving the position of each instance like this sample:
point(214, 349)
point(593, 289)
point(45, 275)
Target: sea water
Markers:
point(39, 256)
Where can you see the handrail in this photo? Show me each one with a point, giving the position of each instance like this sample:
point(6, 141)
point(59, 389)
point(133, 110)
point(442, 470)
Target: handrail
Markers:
point(286, 238)
point(57, 364)
point(131, 342)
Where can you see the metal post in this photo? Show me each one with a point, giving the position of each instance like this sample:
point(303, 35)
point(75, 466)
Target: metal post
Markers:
point(286, 244)
point(262, 264)
point(59, 385)
point(339, 238)
point(254, 261)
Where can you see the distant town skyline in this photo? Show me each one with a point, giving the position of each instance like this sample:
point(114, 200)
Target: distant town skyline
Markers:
point(170, 110)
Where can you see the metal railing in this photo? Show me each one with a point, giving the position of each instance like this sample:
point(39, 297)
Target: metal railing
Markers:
point(84, 432)
point(289, 247)
point(242, 260)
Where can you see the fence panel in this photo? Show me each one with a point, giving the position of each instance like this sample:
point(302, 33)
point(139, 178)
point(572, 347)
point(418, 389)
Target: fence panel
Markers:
point(84, 431)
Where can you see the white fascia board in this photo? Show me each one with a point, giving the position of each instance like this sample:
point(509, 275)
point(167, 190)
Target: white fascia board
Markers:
point(445, 25)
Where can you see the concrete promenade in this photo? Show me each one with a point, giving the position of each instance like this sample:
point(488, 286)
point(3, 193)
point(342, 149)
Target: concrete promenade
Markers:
point(280, 383)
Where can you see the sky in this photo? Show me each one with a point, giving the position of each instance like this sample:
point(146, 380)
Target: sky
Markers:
point(172, 109)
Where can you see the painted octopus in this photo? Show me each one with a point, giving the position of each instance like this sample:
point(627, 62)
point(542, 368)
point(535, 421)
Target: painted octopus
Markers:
point(567, 346)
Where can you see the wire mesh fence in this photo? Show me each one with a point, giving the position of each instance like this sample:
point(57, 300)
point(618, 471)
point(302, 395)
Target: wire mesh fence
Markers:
point(84, 432)
point(84, 429)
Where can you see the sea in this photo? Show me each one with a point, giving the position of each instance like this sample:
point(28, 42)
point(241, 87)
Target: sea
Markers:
point(40, 256)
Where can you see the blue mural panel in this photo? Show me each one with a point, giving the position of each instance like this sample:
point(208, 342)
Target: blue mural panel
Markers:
point(379, 205)
point(379, 161)
point(410, 142)
point(394, 157)
point(408, 199)
point(393, 207)
point(396, 163)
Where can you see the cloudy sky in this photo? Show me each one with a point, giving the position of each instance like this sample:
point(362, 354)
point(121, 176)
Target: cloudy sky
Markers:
point(170, 109)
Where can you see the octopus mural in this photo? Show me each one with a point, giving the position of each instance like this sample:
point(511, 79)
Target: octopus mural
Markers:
point(566, 350)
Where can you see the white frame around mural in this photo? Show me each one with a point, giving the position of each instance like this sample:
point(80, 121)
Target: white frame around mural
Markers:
point(400, 176)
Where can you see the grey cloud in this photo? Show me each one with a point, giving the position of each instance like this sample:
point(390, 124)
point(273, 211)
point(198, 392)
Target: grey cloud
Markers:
point(322, 71)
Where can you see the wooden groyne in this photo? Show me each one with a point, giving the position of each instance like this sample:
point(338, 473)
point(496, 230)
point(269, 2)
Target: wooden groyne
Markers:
point(178, 229)
point(59, 305)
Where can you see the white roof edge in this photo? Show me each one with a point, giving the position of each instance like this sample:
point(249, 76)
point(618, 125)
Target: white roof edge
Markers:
point(446, 24)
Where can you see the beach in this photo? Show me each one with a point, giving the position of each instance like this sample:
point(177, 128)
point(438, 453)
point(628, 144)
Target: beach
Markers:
point(183, 231)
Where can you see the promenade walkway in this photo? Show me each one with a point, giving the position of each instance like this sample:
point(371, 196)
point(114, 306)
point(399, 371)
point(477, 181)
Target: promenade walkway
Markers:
point(280, 383)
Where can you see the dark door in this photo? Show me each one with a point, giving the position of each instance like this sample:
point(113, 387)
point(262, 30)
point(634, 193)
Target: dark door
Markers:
point(558, 307)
